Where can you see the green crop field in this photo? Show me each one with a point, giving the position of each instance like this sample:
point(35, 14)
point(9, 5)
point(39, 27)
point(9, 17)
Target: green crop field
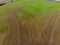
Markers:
point(30, 22)
point(32, 7)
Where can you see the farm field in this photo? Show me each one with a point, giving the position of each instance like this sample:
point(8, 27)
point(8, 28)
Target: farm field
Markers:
point(30, 23)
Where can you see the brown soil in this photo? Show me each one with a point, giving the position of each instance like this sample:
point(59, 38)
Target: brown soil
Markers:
point(33, 31)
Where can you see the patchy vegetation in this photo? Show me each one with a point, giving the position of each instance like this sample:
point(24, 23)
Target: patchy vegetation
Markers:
point(30, 23)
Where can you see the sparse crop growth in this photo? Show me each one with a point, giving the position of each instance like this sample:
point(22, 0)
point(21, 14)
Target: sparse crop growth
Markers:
point(30, 23)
